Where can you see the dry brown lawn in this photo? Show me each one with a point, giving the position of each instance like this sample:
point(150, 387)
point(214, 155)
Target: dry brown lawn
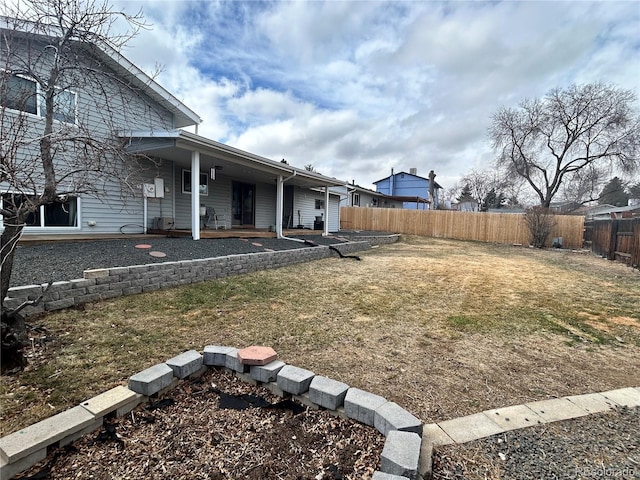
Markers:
point(444, 328)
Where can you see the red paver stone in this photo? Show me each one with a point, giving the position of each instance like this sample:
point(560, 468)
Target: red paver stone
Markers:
point(158, 254)
point(143, 246)
point(256, 355)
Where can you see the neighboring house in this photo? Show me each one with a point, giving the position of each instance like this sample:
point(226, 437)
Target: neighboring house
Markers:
point(414, 191)
point(244, 189)
point(603, 212)
point(357, 196)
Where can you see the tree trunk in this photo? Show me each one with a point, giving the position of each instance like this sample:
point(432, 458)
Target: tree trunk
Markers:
point(13, 334)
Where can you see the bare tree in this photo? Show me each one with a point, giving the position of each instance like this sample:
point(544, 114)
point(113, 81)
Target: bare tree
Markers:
point(61, 107)
point(555, 141)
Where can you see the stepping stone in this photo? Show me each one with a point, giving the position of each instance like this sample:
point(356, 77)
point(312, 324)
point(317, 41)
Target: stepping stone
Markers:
point(158, 254)
point(556, 409)
point(257, 355)
point(143, 246)
point(512, 418)
point(471, 427)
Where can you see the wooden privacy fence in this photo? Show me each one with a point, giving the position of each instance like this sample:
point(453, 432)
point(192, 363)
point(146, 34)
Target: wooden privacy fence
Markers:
point(507, 228)
point(615, 239)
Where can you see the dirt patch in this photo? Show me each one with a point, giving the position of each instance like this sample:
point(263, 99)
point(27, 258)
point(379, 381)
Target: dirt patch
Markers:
point(189, 435)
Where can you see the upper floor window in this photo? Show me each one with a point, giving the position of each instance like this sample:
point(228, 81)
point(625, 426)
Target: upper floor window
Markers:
point(24, 94)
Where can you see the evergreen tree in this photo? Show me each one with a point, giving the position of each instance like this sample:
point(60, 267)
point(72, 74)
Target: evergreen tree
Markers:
point(465, 195)
point(613, 194)
point(634, 191)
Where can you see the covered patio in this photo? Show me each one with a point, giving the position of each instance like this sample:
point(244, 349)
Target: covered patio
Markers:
point(247, 191)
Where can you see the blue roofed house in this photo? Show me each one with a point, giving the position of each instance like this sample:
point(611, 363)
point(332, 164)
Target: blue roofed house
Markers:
point(415, 192)
point(235, 189)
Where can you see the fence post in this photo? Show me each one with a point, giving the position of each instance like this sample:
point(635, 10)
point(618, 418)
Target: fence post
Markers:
point(613, 240)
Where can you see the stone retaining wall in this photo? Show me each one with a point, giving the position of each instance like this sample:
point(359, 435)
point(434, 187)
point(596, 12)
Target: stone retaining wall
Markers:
point(106, 283)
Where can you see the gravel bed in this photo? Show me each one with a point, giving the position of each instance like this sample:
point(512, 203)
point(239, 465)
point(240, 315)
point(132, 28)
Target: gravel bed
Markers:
point(605, 445)
point(37, 263)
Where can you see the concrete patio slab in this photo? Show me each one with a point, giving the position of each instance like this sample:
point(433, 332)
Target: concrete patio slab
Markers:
point(556, 409)
point(592, 402)
point(514, 417)
point(471, 427)
point(627, 397)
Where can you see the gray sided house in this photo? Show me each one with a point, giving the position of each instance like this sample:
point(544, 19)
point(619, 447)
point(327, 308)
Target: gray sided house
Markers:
point(235, 189)
point(356, 196)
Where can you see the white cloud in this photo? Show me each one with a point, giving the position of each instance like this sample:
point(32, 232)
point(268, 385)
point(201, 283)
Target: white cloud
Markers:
point(356, 88)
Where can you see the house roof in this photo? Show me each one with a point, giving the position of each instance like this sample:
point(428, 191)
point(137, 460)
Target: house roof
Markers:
point(436, 185)
point(183, 115)
point(177, 145)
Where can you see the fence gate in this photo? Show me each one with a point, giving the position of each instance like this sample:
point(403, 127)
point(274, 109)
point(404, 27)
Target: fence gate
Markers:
point(615, 239)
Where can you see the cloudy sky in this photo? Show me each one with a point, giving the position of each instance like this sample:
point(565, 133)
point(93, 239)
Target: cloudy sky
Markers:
point(356, 88)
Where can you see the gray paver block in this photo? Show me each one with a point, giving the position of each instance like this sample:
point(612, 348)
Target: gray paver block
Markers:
point(42, 434)
point(628, 397)
point(432, 433)
point(266, 373)
point(10, 470)
point(110, 400)
point(275, 389)
point(377, 475)
point(294, 380)
point(216, 355)
point(304, 399)
point(361, 405)
point(327, 393)
point(151, 380)
point(185, 364)
point(391, 416)
point(401, 454)
point(233, 362)
point(512, 418)
point(471, 427)
point(592, 402)
point(556, 409)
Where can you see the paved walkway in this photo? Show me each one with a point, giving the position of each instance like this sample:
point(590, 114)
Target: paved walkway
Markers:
point(500, 420)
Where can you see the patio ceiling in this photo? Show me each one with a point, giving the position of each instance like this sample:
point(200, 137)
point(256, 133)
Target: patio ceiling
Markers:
point(177, 146)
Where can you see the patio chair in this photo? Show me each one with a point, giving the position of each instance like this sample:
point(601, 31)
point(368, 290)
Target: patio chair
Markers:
point(219, 221)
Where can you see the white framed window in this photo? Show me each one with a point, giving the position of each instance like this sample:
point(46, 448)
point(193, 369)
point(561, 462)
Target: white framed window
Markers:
point(356, 200)
point(186, 183)
point(319, 204)
point(23, 94)
point(55, 215)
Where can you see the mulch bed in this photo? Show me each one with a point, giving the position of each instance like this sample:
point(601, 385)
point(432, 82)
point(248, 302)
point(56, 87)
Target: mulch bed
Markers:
point(188, 435)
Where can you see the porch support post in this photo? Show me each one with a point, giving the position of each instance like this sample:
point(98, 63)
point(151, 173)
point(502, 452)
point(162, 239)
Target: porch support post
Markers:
point(325, 231)
point(279, 205)
point(195, 195)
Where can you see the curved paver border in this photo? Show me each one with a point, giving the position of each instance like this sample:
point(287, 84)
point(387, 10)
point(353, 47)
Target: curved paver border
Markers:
point(21, 450)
